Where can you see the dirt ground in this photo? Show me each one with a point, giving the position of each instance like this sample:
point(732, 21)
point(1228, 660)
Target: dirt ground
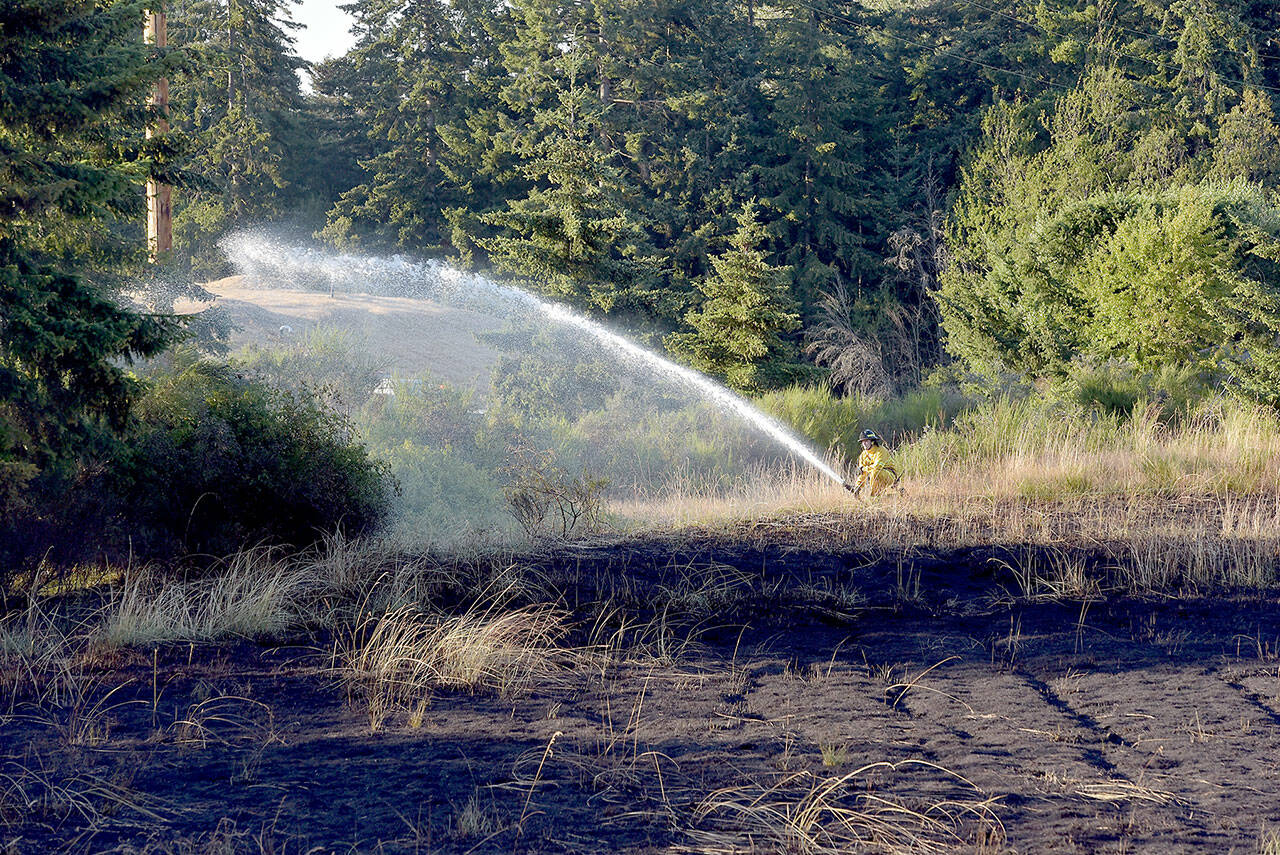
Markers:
point(920, 689)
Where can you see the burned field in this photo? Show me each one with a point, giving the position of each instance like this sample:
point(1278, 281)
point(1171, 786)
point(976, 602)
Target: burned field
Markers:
point(782, 688)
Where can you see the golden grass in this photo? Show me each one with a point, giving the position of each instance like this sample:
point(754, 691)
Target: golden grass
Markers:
point(1120, 791)
point(266, 593)
point(260, 593)
point(811, 815)
point(1137, 506)
point(395, 660)
point(1226, 452)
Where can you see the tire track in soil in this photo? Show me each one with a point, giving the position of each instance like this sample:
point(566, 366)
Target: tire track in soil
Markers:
point(1181, 729)
point(1021, 743)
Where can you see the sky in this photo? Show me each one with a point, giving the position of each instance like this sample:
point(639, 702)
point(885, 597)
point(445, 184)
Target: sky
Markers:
point(326, 29)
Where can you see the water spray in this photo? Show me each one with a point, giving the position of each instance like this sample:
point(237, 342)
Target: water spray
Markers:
point(258, 256)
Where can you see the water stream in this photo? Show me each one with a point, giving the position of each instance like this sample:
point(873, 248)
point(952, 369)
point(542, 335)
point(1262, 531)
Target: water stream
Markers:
point(264, 260)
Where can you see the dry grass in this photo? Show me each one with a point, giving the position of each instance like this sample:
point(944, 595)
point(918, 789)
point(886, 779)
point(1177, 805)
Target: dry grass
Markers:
point(266, 593)
point(1123, 792)
point(29, 793)
point(217, 719)
point(1083, 545)
point(765, 493)
point(1195, 506)
point(810, 815)
point(395, 660)
point(36, 660)
point(259, 593)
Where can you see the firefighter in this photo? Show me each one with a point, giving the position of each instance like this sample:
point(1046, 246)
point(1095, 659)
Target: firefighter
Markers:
point(874, 469)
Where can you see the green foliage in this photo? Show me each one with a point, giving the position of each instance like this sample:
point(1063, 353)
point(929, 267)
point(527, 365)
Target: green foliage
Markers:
point(600, 153)
point(415, 99)
point(254, 154)
point(540, 378)
point(644, 441)
point(1117, 389)
point(1119, 221)
point(72, 79)
point(818, 147)
point(1184, 277)
point(221, 462)
point(738, 333)
point(832, 422)
point(425, 412)
point(443, 493)
point(573, 236)
point(438, 446)
point(328, 363)
point(1002, 428)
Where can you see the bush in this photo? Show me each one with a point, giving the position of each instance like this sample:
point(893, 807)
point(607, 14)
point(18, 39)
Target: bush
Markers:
point(425, 411)
point(644, 442)
point(837, 422)
point(442, 493)
point(548, 501)
point(1181, 279)
point(1118, 389)
point(325, 362)
point(221, 461)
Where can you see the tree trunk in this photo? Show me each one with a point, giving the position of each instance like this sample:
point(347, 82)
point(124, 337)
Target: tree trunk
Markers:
point(159, 196)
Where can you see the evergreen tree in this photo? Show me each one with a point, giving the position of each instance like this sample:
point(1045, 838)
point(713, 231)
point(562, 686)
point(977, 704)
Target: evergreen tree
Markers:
point(573, 235)
point(816, 171)
point(738, 333)
point(421, 83)
point(240, 104)
point(73, 83)
point(1166, 104)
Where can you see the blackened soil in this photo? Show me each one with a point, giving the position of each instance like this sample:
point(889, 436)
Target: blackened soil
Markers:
point(1110, 724)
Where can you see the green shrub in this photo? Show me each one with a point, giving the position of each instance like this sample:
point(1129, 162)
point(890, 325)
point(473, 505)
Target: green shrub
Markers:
point(1118, 389)
point(326, 362)
point(1181, 280)
point(832, 422)
point(647, 441)
point(221, 461)
point(442, 493)
point(425, 411)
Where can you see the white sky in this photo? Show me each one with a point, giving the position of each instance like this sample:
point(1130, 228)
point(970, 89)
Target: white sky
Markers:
point(326, 29)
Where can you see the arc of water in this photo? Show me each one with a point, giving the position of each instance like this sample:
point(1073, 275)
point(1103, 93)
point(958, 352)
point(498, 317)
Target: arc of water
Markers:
point(255, 255)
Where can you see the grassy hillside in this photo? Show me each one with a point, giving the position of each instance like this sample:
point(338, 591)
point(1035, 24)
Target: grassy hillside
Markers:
point(412, 335)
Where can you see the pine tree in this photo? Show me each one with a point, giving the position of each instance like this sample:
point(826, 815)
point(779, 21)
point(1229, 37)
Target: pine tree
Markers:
point(738, 331)
point(815, 170)
point(73, 81)
point(239, 104)
point(421, 81)
point(573, 235)
point(626, 116)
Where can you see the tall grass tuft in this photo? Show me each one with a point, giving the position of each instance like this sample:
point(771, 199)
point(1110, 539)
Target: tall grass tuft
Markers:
point(258, 593)
point(394, 660)
point(811, 815)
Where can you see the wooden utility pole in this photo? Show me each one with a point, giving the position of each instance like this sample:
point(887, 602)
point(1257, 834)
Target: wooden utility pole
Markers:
point(159, 203)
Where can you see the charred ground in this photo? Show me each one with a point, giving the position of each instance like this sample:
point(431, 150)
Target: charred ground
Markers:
point(779, 688)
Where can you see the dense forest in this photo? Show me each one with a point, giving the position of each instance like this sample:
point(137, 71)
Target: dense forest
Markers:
point(872, 196)
point(868, 190)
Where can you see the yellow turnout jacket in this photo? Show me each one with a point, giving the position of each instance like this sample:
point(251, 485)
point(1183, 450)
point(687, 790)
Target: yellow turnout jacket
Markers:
point(875, 470)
